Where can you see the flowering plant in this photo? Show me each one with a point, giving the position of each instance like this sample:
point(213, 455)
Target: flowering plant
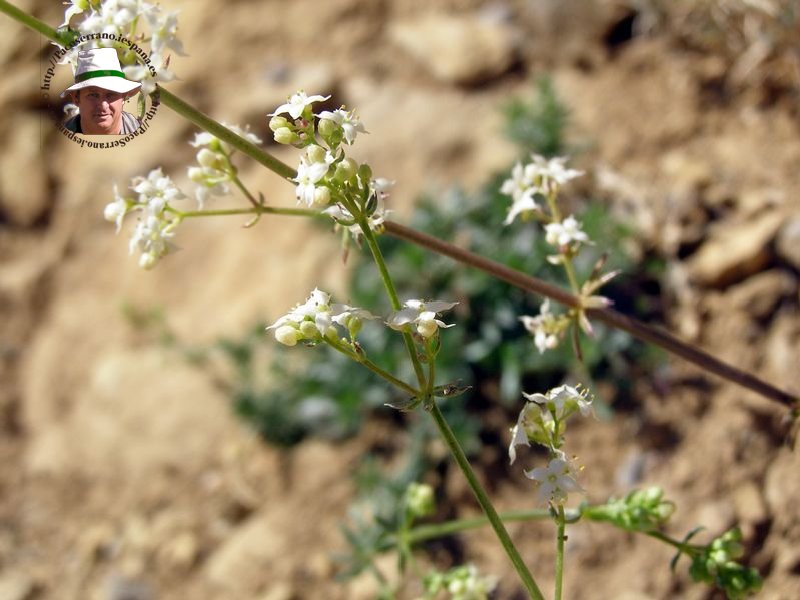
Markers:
point(328, 182)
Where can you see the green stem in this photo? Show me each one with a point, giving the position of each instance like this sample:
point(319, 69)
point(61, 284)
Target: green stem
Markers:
point(393, 298)
point(238, 183)
point(221, 132)
point(485, 503)
point(374, 368)
point(433, 531)
point(255, 210)
point(560, 537)
point(29, 21)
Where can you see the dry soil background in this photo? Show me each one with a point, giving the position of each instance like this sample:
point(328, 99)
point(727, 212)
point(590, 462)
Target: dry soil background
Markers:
point(123, 473)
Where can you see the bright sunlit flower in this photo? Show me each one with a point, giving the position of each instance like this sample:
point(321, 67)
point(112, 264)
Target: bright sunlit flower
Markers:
point(422, 314)
point(555, 481)
point(156, 190)
point(116, 210)
point(314, 320)
point(297, 104)
point(345, 120)
point(563, 401)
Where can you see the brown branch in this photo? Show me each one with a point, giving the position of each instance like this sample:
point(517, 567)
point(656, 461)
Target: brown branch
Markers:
point(611, 317)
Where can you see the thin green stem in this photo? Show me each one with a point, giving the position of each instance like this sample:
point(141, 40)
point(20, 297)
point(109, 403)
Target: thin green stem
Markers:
point(255, 210)
point(221, 132)
point(377, 256)
point(485, 503)
point(560, 538)
point(374, 368)
point(238, 183)
point(29, 21)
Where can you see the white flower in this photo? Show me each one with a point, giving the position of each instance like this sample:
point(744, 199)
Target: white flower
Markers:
point(565, 233)
point(562, 401)
point(314, 319)
point(297, 104)
point(522, 188)
point(308, 175)
point(422, 314)
point(555, 481)
point(142, 74)
point(349, 124)
point(551, 174)
point(164, 32)
point(545, 327)
point(152, 238)
point(75, 7)
point(156, 190)
point(116, 211)
point(519, 437)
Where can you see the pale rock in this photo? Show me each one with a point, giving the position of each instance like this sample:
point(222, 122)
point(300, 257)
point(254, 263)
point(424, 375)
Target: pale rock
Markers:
point(16, 586)
point(749, 504)
point(760, 294)
point(735, 250)
point(280, 590)
point(788, 242)
point(180, 552)
point(458, 49)
point(24, 194)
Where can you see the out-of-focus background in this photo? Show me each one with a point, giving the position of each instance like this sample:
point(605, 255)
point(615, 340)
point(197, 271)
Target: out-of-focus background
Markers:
point(125, 472)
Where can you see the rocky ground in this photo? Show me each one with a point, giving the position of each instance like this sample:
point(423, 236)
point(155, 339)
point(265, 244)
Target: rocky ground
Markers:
point(124, 473)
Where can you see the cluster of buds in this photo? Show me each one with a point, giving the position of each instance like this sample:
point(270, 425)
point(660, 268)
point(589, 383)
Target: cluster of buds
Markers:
point(419, 501)
point(121, 18)
point(326, 178)
point(641, 510)
point(156, 226)
point(316, 319)
point(717, 564)
point(543, 420)
point(461, 583)
point(313, 321)
point(534, 189)
point(214, 168)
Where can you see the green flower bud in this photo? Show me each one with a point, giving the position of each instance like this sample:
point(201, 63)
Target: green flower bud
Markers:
point(284, 135)
point(365, 173)
point(327, 128)
point(278, 122)
point(420, 500)
point(309, 330)
point(345, 170)
point(315, 153)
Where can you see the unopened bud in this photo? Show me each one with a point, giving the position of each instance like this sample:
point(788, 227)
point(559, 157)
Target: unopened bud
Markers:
point(278, 122)
point(284, 135)
point(287, 335)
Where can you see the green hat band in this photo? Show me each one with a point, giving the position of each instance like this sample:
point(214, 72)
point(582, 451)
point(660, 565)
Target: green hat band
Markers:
point(103, 73)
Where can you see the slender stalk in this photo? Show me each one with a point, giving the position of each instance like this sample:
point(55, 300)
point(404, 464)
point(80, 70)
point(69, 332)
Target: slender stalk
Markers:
point(238, 183)
point(637, 329)
point(375, 369)
point(29, 21)
point(485, 503)
point(525, 282)
point(377, 255)
point(424, 533)
point(560, 538)
point(221, 132)
point(295, 212)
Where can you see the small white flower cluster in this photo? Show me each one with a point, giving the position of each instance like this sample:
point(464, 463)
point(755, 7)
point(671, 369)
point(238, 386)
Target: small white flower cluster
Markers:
point(122, 18)
point(546, 327)
point(543, 421)
point(314, 320)
point(156, 226)
point(539, 178)
point(326, 178)
point(214, 159)
point(461, 583)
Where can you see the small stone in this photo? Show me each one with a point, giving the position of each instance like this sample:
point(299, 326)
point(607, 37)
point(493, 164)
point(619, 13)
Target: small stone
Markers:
point(788, 242)
point(760, 294)
point(124, 588)
point(463, 50)
point(735, 250)
point(181, 552)
point(24, 194)
point(16, 586)
point(749, 504)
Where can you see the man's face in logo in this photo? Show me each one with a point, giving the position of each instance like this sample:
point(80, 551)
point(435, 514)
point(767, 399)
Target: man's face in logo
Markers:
point(101, 110)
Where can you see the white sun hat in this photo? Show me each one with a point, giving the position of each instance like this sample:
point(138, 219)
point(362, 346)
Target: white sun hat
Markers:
point(100, 67)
